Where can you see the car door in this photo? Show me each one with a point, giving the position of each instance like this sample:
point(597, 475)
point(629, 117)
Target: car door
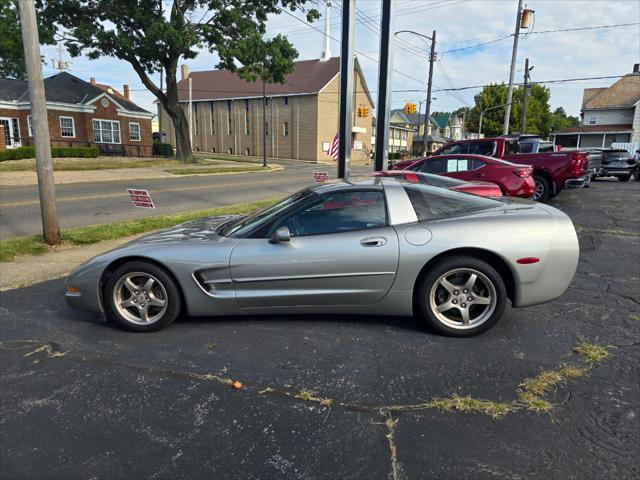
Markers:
point(460, 168)
point(341, 252)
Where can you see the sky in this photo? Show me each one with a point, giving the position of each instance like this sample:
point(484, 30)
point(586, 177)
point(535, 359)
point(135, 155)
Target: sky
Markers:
point(562, 54)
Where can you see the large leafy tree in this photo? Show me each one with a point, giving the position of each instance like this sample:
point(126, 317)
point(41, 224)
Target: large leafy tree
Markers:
point(562, 120)
point(152, 37)
point(11, 52)
point(539, 118)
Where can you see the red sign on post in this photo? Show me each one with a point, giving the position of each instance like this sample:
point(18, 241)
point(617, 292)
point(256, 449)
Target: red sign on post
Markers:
point(140, 198)
point(320, 177)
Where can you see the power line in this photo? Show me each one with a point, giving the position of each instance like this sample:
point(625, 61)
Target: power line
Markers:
point(335, 40)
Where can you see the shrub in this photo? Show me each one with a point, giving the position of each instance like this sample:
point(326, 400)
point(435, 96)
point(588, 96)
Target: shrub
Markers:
point(77, 152)
point(30, 152)
point(17, 153)
point(162, 149)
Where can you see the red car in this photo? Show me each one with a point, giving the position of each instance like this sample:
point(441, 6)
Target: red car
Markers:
point(514, 180)
point(483, 189)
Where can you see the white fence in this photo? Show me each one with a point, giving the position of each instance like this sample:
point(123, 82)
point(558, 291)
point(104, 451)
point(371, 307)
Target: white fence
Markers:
point(631, 147)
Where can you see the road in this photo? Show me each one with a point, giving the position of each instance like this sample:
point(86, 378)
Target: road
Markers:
point(82, 204)
point(81, 398)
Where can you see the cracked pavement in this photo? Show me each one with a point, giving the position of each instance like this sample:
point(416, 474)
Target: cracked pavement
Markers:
point(98, 402)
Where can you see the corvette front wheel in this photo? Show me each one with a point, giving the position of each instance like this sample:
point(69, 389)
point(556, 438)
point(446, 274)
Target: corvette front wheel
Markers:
point(141, 297)
point(462, 296)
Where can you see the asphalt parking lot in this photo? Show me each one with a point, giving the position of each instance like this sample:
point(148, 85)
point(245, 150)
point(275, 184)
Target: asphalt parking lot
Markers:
point(336, 397)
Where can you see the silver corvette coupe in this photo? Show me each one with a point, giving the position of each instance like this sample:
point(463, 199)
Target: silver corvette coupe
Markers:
point(374, 246)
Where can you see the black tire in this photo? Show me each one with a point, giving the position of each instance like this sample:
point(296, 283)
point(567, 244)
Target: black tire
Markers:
point(162, 286)
point(543, 189)
point(636, 174)
point(430, 288)
point(624, 178)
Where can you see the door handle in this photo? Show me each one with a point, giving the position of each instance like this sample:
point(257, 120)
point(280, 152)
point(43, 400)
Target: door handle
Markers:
point(373, 242)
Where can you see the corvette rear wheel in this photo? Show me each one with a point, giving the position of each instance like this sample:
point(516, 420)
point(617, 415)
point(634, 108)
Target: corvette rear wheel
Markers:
point(462, 296)
point(141, 297)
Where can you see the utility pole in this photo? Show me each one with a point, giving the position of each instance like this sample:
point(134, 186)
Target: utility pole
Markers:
point(264, 122)
point(44, 165)
point(525, 93)
point(385, 71)
point(514, 54)
point(427, 112)
point(345, 115)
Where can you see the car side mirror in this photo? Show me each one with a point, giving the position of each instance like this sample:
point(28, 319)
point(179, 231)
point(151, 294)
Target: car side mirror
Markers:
point(282, 234)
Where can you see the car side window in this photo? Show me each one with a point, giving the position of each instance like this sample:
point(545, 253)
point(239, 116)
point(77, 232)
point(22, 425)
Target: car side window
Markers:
point(482, 148)
point(511, 147)
point(476, 164)
point(436, 166)
point(453, 149)
point(458, 165)
point(338, 212)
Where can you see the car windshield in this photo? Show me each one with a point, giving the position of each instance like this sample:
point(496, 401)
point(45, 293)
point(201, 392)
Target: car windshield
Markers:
point(431, 179)
point(246, 224)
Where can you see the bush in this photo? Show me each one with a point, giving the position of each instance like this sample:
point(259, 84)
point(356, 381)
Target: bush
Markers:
point(17, 153)
point(162, 149)
point(77, 152)
point(30, 152)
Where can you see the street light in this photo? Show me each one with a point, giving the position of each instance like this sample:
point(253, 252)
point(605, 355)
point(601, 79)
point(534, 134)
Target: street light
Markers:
point(432, 56)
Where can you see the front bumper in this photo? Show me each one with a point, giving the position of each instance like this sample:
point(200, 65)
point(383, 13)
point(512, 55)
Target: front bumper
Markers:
point(579, 182)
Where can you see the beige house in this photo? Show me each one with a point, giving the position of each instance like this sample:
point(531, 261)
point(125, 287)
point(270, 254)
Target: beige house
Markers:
point(608, 115)
point(400, 137)
point(301, 114)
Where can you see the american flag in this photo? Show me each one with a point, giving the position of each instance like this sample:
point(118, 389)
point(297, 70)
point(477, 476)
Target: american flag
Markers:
point(333, 148)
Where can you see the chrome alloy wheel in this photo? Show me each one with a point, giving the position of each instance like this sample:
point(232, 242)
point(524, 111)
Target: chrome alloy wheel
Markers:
point(539, 193)
point(140, 298)
point(463, 298)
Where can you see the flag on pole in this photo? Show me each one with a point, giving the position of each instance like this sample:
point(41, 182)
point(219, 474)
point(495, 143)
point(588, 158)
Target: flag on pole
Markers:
point(333, 148)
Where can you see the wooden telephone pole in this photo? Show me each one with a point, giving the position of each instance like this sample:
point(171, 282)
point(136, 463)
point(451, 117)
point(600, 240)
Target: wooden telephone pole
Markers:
point(44, 165)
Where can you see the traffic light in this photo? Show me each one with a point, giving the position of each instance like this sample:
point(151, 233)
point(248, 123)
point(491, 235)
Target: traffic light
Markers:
point(410, 108)
point(363, 111)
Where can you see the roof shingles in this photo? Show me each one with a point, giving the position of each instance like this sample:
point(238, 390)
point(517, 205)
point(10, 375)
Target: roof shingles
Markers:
point(625, 93)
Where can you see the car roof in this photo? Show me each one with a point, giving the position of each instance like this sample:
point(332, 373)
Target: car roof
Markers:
point(348, 183)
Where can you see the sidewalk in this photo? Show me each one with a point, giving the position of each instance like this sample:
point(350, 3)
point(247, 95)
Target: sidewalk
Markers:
point(13, 179)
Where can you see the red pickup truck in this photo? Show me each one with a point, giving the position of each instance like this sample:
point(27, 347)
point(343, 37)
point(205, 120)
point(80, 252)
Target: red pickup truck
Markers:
point(552, 171)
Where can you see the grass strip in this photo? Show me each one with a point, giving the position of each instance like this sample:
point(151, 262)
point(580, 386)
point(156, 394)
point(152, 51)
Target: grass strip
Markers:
point(468, 404)
point(87, 164)
point(33, 245)
point(206, 170)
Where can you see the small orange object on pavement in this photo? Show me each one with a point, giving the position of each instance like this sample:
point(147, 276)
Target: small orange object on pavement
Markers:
point(236, 384)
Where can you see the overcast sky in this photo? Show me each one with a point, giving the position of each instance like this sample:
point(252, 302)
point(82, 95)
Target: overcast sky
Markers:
point(459, 23)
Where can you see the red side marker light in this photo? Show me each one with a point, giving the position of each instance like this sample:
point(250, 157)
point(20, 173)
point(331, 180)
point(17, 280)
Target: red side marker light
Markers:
point(527, 260)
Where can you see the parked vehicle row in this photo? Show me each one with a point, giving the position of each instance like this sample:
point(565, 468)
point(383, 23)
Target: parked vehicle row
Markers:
point(611, 162)
point(552, 171)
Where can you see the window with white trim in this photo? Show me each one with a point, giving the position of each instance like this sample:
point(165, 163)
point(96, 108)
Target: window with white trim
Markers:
point(30, 125)
point(285, 129)
point(134, 131)
point(106, 131)
point(67, 127)
point(593, 120)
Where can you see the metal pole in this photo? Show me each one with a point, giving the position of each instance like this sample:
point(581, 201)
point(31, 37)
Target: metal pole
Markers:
point(514, 54)
point(428, 109)
point(190, 112)
point(44, 164)
point(525, 93)
point(273, 135)
point(160, 105)
point(264, 124)
point(385, 73)
point(480, 123)
point(346, 88)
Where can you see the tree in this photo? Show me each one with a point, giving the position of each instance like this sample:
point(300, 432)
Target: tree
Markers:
point(11, 51)
point(141, 33)
point(539, 118)
point(562, 120)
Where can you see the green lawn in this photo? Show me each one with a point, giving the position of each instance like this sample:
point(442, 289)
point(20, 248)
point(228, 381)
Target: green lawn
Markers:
point(33, 245)
point(100, 163)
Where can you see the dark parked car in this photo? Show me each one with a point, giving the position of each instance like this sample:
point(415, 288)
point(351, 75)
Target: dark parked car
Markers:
point(611, 162)
point(514, 180)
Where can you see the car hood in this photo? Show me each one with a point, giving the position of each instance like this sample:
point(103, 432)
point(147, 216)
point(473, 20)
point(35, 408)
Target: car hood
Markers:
point(201, 229)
